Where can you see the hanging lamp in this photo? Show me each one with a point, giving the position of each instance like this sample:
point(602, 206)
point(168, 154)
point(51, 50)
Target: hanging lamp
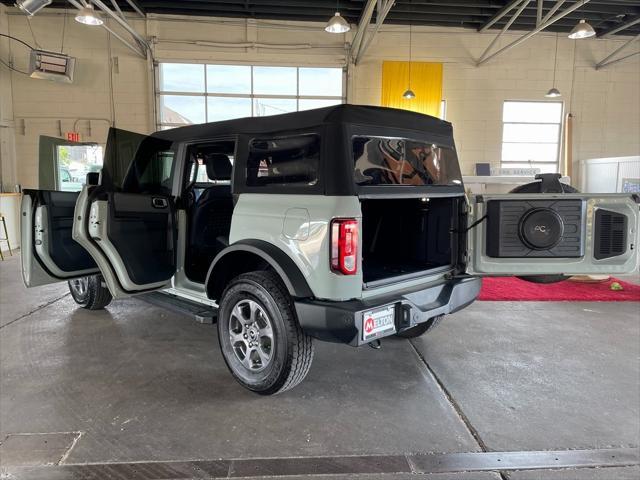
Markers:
point(337, 23)
point(553, 91)
point(408, 93)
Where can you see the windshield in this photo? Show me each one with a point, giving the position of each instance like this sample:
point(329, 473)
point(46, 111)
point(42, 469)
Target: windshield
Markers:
point(400, 161)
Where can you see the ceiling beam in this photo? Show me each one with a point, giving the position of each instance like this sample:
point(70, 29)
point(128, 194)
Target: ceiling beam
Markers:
point(507, 8)
point(536, 30)
point(608, 59)
point(365, 18)
point(133, 4)
point(385, 7)
point(504, 29)
point(620, 27)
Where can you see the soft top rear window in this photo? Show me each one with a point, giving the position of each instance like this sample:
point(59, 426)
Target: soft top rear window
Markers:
point(400, 161)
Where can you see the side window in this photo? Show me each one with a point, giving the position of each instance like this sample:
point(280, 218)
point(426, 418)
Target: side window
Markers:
point(210, 162)
point(284, 161)
point(158, 171)
point(138, 163)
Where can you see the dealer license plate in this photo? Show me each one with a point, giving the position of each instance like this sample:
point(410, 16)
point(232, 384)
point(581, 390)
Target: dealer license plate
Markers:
point(378, 323)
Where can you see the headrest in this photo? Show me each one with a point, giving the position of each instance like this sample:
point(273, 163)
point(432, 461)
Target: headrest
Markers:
point(218, 166)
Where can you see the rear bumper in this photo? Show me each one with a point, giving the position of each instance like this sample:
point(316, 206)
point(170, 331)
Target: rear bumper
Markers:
point(341, 322)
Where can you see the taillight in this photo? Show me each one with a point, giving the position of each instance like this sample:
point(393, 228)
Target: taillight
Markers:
point(344, 246)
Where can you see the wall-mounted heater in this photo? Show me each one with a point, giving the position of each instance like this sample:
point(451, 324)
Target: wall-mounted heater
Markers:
point(52, 66)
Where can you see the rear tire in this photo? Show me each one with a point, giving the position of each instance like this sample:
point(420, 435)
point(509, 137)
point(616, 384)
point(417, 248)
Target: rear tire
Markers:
point(536, 187)
point(90, 292)
point(421, 328)
point(261, 340)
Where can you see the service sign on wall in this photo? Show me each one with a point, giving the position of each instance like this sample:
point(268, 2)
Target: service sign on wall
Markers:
point(631, 185)
point(73, 136)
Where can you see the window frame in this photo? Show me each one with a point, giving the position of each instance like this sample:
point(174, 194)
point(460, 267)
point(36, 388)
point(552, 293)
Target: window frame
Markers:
point(180, 183)
point(158, 92)
point(558, 143)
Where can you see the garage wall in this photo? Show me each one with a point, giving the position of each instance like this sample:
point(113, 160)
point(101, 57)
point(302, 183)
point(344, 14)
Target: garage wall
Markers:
point(605, 103)
point(115, 87)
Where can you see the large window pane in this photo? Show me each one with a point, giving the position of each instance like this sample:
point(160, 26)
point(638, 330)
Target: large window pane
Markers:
point(226, 108)
point(284, 161)
point(182, 109)
point(181, 77)
point(228, 79)
point(321, 81)
point(273, 106)
point(544, 133)
point(308, 103)
point(532, 112)
point(275, 80)
point(526, 152)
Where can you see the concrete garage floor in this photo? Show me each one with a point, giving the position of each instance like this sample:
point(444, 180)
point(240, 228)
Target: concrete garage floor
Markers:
point(136, 383)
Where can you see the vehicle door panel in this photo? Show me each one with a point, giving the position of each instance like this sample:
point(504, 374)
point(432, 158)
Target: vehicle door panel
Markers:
point(49, 252)
point(136, 232)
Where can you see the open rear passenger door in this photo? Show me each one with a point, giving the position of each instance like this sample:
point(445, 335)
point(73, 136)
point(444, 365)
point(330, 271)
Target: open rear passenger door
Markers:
point(127, 222)
point(546, 234)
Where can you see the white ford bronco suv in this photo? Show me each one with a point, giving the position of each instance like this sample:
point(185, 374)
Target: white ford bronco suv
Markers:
point(343, 224)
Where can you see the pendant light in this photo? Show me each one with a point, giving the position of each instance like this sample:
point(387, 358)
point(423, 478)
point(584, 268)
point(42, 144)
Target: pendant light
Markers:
point(408, 94)
point(88, 16)
point(582, 30)
point(337, 24)
point(31, 7)
point(554, 92)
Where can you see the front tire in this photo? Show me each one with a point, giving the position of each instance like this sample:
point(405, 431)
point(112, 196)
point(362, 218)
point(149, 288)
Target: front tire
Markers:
point(260, 338)
point(90, 292)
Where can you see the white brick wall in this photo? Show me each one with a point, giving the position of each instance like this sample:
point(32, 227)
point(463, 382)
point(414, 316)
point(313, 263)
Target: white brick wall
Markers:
point(605, 104)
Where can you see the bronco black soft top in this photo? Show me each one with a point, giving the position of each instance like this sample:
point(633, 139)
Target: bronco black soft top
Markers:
point(345, 114)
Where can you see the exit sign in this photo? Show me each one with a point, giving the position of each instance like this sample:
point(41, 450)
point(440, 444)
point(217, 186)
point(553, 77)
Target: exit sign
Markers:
point(73, 136)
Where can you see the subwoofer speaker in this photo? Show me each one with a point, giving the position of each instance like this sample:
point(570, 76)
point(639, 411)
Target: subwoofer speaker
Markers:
point(522, 228)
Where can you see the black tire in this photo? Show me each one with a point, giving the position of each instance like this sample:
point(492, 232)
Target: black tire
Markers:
point(90, 292)
point(288, 351)
point(421, 328)
point(536, 187)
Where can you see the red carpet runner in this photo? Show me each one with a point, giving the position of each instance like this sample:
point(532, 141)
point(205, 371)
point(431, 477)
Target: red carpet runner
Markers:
point(513, 289)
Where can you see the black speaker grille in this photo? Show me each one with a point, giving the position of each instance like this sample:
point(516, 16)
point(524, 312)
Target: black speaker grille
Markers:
point(610, 234)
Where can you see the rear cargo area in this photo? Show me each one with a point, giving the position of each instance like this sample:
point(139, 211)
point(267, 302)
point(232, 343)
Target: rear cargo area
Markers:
point(406, 236)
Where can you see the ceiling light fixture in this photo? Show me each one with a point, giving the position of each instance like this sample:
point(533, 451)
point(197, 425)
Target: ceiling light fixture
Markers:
point(88, 16)
point(582, 30)
point(408, 93)
point(554, 92)
point(31, 7)
point(337, 24)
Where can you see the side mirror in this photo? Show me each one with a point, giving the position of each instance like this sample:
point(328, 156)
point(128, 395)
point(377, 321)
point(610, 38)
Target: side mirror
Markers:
point(93, 178)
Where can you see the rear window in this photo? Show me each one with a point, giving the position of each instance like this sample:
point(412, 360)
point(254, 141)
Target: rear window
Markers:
point(400, 161)
point(284, 161)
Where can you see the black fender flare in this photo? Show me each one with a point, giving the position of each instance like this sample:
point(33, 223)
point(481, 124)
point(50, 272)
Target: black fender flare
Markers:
point(284, 266)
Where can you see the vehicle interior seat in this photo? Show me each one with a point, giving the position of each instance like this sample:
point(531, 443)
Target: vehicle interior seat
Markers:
point(211, 216)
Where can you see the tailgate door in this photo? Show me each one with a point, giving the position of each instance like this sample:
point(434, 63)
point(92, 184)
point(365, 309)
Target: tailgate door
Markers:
point(540, 234)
